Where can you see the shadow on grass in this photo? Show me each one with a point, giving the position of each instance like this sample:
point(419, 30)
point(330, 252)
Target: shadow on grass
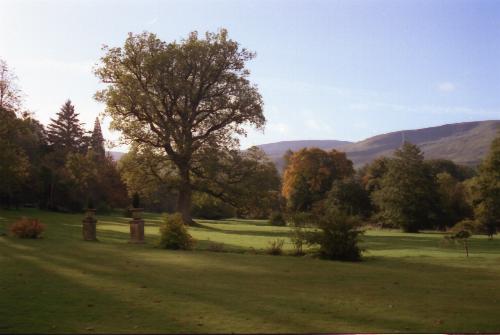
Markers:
point(242, 289)
point(238, 300)
point(246, 232)
point(425, 243)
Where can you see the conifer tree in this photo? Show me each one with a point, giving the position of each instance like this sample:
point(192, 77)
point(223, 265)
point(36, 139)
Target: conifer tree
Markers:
point(97, 140)
point(408, 192)
point(66, 131)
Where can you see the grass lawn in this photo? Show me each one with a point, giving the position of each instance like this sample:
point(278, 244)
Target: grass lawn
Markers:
point(406, 283)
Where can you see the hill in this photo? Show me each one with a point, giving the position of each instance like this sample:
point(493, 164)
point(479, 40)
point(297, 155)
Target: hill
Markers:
point(276, 150)
point(464, 143)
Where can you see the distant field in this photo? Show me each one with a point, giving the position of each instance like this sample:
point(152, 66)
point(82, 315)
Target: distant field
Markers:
point(406, 283)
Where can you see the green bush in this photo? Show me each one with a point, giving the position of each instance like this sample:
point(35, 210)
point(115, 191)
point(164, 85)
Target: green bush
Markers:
point(338, 236)
point(276, 247)
point(277, 219)
point(299, 239)
point(27, 228)
point(174, 235)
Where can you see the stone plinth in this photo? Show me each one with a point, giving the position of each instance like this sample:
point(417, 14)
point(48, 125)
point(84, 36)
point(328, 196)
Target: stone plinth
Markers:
point(137, 231)
point(89, 226)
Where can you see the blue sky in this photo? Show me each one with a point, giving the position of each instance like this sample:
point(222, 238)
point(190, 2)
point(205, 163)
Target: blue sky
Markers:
point(326, 69)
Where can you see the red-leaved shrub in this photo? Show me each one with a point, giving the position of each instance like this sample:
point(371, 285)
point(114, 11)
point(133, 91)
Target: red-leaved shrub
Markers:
point(27, 228)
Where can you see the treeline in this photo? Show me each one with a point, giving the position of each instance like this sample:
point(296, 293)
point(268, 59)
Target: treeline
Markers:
point(404, 191)
point(61, 167)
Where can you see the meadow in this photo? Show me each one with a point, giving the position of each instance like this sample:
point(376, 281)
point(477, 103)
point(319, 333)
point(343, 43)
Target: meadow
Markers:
point(406, 282)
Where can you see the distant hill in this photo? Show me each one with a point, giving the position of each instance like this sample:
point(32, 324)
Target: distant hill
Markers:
point(276, 150)
point(464, 143)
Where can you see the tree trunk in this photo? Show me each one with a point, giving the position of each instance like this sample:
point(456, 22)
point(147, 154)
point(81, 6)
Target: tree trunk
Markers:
point(184, 198)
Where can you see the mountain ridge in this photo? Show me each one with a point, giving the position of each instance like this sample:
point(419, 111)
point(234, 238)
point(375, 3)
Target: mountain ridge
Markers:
point(464, 143)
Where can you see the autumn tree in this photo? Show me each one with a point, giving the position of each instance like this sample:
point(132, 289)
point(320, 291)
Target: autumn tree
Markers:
point(407, 197)
point(309, 176)
point(180, 97)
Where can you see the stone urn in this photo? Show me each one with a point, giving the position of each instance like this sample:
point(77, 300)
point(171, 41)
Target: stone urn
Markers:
point(89, 225)
point(136, 226)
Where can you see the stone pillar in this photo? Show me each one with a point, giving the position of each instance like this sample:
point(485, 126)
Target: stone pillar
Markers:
point(89, 226)
point(136, 226)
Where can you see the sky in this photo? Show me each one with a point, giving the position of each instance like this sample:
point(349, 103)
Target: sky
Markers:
point(343, 70)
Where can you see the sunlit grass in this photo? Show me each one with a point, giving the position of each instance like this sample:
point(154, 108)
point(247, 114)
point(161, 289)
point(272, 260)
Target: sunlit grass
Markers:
point(406, 283)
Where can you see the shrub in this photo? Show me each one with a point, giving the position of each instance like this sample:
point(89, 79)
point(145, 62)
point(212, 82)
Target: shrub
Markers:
point(174, 235)
point(27, 228)
point(277, 219)
point(276, 247)
point(299, 239)
point(461, 232)
point(338, 236)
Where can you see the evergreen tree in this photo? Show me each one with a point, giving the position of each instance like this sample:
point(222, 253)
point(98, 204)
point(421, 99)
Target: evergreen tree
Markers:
point(408, 192)
point(97, 140)
point(66, 131)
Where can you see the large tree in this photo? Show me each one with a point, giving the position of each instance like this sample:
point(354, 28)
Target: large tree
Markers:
point(180, 97)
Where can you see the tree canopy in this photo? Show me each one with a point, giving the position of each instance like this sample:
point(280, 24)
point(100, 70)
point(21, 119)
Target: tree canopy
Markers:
point(180, 97)
point(310, 173)
point(408, 196)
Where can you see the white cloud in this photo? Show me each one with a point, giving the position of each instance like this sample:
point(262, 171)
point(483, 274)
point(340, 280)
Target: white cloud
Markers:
point(446, 87)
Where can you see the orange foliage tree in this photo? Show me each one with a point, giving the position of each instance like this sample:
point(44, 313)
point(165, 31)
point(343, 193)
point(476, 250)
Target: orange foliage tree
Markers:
point(309, 175)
